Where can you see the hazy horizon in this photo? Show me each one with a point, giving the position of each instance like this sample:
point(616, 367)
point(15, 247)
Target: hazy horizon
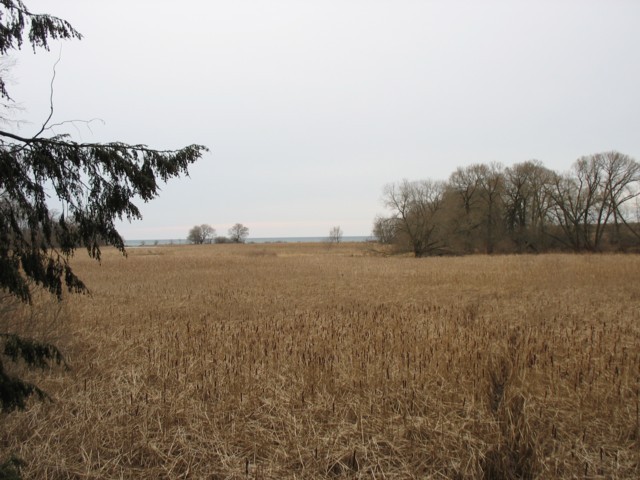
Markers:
point(251, 239)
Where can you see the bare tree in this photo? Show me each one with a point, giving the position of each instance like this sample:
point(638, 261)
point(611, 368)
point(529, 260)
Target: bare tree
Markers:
point(385, 229)
point(335, 234)
point(195, 235)
point(478, 190)
point(465, 182)
point(526, 203)
point(463, 204)
point(238, 233)
point(621, 179)
point(200, 234)
point(568, 209)
point(416, 207)
point(588, 198)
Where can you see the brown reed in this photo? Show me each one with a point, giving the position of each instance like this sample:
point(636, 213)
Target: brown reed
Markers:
point(301, 361)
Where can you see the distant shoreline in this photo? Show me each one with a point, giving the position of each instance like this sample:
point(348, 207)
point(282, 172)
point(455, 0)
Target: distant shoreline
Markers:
point(182, 241)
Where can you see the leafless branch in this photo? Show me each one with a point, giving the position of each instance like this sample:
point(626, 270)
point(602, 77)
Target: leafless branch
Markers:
point(74, 122)
point(53, 79)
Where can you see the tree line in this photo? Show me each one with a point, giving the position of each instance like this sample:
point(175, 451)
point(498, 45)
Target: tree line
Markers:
point(205, 233)
point(526, 207)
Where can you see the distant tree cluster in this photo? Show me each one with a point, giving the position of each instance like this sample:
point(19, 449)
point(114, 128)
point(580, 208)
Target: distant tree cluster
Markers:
point(523, 208)
point(200, 234)
point(205, 233)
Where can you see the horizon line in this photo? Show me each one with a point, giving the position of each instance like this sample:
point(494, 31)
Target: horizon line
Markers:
point(249, 239)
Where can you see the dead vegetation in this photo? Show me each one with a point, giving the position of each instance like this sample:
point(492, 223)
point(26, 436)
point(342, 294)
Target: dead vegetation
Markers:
point(298, 361)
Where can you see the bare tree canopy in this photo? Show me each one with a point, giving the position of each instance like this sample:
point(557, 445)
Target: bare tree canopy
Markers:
point(385, 229)
point(525, 207)
point(200, 234)
point(593, 195)
point(335, 234)
point(238, 233)
point(526, 203)
point(416, 207)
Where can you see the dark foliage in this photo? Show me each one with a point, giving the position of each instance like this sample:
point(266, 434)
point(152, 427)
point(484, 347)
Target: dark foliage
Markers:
point(14, 17)
point(34, 353)
point(10, 470)
point(96, 183)
point(14, 391)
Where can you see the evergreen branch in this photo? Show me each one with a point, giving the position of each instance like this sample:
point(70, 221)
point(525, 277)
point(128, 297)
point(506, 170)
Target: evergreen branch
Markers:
point(14, 392)
point(10, 469)
point(34, 353)
point(59, 142)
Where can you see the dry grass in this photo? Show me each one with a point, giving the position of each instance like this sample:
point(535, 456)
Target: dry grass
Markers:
point(304, 361)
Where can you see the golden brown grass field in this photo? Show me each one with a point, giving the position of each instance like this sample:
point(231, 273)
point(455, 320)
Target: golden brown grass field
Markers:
point(309, 361)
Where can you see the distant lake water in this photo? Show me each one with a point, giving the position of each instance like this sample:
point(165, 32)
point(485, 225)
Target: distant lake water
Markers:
point(182, 241)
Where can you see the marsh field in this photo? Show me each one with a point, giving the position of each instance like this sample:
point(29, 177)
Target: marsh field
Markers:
point(318, 361)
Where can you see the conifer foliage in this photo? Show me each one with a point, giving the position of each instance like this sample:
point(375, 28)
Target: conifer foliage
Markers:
point(96, 184)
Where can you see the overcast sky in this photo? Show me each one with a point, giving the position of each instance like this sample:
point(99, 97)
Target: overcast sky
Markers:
point(311, 107)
